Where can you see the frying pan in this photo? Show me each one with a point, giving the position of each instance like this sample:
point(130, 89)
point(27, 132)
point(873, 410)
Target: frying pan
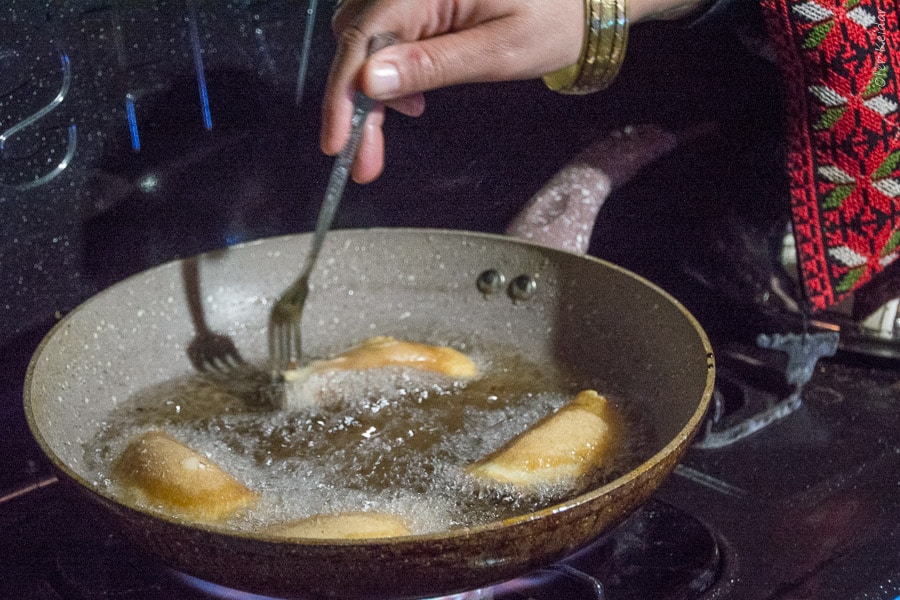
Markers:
point(591, 316)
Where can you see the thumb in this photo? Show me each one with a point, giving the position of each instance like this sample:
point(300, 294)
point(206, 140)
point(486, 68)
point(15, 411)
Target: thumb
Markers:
point(492, 51)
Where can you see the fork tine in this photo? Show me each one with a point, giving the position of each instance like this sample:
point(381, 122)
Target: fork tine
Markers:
point(279, 345)
point(226, 362)
point(273, 352)
point(274, 349)
point(295, 355)
point(283, 347)
point(234, 360)
point(288, 344)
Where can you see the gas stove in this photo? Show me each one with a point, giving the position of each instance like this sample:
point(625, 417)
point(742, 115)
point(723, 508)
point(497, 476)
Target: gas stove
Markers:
point(136, 133)
point(805, 506)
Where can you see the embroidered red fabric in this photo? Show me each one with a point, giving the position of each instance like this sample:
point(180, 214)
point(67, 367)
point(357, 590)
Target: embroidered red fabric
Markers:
point(839, 60)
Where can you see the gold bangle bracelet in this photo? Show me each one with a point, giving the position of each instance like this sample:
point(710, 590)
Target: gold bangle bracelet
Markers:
point(602, 53)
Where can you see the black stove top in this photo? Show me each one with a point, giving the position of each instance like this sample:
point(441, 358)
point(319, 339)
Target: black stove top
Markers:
point(136, 133)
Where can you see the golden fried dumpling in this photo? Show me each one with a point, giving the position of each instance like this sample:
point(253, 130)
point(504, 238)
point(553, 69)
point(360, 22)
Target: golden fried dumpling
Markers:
point(385, 351)
point(558, 450)
point(159, 470)
point(343, 526)
point(375, 353)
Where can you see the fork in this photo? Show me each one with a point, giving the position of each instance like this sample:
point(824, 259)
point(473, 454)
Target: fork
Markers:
point(208, 351)
point(285, 343)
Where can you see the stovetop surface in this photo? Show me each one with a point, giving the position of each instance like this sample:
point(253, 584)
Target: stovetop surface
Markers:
point(808, 507)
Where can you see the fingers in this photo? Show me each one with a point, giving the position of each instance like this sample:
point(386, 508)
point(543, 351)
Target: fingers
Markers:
point(442, 43)
point(449, 42)
point(370, 156)
point(411, 106)
point(345, 13)
point(451, 59)
point(337, 105)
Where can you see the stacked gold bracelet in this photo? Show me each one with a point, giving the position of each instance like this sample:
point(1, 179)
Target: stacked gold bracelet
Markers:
point(602, 53)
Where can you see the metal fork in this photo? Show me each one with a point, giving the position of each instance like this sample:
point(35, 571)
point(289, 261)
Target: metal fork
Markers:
point(208, 351)
point(285, 343)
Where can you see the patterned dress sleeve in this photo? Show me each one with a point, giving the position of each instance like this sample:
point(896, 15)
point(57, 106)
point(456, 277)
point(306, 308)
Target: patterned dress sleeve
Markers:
point(839, 61)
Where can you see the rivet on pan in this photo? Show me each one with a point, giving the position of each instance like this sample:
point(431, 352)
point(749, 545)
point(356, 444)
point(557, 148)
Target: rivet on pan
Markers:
point(491, 281)
point(522, 287)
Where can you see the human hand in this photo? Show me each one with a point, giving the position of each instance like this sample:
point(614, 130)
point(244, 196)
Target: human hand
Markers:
point(443, 43)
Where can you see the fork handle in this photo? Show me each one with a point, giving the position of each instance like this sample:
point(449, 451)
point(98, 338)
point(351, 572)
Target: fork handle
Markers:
point(362, 106)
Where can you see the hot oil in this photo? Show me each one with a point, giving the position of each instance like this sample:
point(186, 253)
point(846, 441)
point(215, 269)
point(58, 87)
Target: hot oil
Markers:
point(400, 445)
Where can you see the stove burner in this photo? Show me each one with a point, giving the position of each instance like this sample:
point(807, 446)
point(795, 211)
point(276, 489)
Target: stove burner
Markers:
point(214, 590)
point(557, 581)
point(660, 552)
point(63, 550)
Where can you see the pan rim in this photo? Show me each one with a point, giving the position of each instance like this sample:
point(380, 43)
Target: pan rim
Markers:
point(683, 437)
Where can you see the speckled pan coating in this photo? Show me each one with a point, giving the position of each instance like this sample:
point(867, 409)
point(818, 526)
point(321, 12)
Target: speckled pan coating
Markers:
point(411, 284)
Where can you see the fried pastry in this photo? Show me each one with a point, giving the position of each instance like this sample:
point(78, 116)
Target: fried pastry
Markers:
point(343, 526)
point(557, 451)
point(159, 470)
point(302, 385)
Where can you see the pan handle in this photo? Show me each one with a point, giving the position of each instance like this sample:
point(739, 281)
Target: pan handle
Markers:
point(563, 212)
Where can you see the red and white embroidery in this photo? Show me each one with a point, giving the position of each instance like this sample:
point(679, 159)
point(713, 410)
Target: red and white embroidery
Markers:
point(840, 60)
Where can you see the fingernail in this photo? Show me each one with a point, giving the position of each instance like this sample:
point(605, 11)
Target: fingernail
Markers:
point(384, 79)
